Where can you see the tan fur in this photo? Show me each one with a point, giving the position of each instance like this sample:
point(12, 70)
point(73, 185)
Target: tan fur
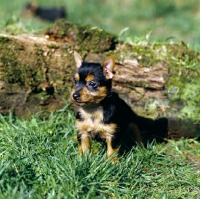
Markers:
point(92, 97)
point(77, 77)
point(78, 59)
point(110, 149)
point(84, 147)
point(92, 125)
point(89, 78)
point(108, 66)
point(71, 95)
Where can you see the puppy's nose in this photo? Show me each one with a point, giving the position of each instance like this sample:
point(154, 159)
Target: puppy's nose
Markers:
point(76, 96)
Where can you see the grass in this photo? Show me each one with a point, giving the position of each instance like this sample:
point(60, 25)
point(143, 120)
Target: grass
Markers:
point(38, 157)
point(39, 160)
point(167, 21)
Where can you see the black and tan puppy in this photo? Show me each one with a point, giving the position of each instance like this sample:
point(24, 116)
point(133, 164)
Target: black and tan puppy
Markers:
point(48, 14)
point(101, 114)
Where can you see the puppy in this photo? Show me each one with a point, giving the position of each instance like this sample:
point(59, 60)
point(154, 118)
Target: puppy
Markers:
point(101, 114)
point(47, 14)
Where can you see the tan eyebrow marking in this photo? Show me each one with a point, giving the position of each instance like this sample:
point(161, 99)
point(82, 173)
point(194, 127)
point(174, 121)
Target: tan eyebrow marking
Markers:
point(89, 78)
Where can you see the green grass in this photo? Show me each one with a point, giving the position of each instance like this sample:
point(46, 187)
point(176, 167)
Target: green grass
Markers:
point(38, 157)
point(39, 160)
point(171, 20)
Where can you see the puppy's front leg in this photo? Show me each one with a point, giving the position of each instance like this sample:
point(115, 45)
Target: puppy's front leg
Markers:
point(110, 149)
point(83, 143)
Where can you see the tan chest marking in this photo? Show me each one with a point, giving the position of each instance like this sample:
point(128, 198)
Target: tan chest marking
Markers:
point(92, 124)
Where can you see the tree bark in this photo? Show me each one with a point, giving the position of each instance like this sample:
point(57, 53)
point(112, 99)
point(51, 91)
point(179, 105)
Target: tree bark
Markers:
point(157, 80)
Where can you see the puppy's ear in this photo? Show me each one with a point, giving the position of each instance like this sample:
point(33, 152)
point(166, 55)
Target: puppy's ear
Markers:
point(78, 60)
point(108, 66)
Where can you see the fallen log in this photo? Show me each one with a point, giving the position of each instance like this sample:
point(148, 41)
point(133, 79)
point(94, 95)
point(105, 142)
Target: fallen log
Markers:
point(157, 80)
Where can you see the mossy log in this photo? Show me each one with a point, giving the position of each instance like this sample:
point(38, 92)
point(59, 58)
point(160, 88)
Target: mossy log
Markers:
point(157, 80)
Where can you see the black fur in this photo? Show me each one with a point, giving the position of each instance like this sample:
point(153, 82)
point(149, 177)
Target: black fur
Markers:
point(47, 14)
point(94, 69)
point(50, 14)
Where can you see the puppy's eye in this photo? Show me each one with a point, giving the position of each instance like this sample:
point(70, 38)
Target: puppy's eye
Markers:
point(93, 84)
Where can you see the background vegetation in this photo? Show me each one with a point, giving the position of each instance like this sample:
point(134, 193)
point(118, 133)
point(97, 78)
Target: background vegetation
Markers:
point(171, 20)
point(38, 157)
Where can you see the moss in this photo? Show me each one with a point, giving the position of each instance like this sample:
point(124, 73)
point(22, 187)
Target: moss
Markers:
point(43, 97)
point(85, 37)
point(182, 82)
point(39, 72)
point(4, 39)
point(184, 85)
point(52, 46)
point(9, 60)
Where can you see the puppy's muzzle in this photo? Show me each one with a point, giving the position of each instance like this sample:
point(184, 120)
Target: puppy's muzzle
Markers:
point(76, 96)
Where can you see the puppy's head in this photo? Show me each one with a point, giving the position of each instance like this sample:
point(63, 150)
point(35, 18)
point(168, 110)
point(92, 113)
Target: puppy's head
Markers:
point(92, 81)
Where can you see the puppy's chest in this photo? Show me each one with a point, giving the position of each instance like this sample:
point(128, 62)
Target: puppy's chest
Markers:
point(92, 124)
